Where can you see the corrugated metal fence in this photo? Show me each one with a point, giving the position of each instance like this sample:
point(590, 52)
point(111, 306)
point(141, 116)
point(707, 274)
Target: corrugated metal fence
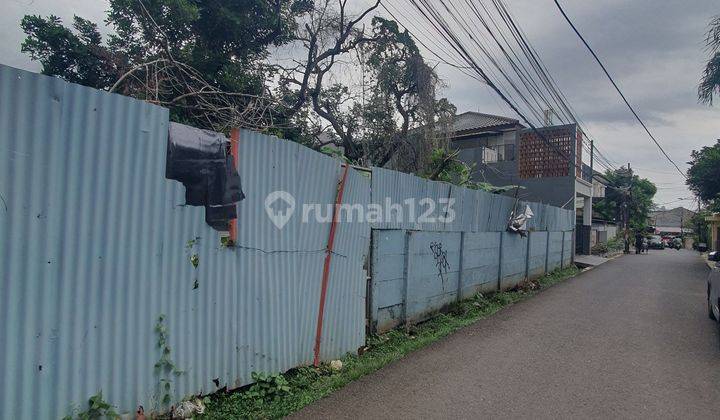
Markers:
point(96, 245)
point(418, 267)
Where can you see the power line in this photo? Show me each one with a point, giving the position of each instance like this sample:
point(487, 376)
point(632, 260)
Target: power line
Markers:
point(676, 201)
point(492, 50)
point(556, 97)
point(617, 88)
point(435, 19)
point(546, 77)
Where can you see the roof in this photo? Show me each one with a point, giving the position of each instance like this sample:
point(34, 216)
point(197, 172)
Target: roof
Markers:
point(671, 218)
point(470, 121)
point(601, 178)
point(672, 229)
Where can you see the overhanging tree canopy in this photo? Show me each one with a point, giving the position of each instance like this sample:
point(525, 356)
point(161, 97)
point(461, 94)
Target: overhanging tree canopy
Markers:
point(704, 174)
point(625, 187)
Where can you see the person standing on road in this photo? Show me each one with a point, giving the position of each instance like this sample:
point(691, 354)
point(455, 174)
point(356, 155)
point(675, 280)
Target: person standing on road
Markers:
point(638, 243)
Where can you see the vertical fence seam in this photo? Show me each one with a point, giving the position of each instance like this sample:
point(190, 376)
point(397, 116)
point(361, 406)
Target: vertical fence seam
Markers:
point(500, 260)
point(547, 252)
point(460, 274)
point(406, 260)
point(326, 266)
point(527, 256)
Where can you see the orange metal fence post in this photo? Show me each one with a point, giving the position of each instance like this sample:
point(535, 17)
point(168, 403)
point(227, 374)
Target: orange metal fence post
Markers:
point(234, 146)
point(326, 267)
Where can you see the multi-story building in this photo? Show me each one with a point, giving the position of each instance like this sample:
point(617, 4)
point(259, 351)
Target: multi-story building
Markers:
point(504, 152)
point(672, 222)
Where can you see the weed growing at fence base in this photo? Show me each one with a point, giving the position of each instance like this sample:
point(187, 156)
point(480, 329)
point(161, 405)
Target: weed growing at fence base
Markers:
point(613, 245)
point(308, 384)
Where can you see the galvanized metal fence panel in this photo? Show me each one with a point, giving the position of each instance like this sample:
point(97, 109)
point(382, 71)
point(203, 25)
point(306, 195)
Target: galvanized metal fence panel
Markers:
point(480, 263)
point(568, 248)
point(404, 286)
point(95, 244)
point(475, 211)
point(387, 302)
point(81, 258)
point(433, 273)
point(513, 260)
point(537, 254)
point(555, 250)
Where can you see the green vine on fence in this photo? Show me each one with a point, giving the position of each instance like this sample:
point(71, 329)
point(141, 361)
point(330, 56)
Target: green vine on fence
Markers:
point(165, 367)
point(194, 259)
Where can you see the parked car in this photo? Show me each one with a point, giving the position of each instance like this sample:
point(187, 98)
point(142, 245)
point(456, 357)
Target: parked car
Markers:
point(702, 247)
point(713, 289)
point(656, 242)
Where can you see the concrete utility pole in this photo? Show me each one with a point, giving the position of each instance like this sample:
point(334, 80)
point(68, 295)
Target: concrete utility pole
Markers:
point(682, 215)
point(626, 194)
point(699, 224)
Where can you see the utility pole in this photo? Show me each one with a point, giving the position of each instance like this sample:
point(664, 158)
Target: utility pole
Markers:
point(625, 221)
point(625, 211)
point(682, 215)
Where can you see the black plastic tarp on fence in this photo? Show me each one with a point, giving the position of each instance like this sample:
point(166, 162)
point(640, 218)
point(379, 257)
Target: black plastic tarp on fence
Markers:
point(202, 162)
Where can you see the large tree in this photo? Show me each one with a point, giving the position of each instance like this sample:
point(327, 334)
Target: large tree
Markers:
point(627, 189)
point(211, 64)
point(704, 175)
point(197, 58)
point(710, 82)
point(393, 115)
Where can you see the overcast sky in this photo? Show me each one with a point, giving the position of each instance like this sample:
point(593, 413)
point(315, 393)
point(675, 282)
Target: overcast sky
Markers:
point(653, 48)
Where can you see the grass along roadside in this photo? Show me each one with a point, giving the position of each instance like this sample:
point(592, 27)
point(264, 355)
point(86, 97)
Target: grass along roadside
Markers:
point(279, 395)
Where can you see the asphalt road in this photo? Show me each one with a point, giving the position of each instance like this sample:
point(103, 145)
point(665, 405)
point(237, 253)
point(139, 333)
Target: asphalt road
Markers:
point(630, 338)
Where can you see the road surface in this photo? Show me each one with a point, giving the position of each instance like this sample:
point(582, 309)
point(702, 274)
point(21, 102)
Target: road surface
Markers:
point(630, 338)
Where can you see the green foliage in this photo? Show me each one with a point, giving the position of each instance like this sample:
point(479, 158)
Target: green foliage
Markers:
point(195, 260)
point(640, 193)
point(336, 153)
point(267, 387)
point(704, 174)
point(454, 171)
point(600, 248)
point(402, 116)
point(192, 242)
point(457, 172)
point(165, 368)
point(396, 116)
point(710, 82)
point(701, 226)
point(75, 55)
point(226, 242)
point(395, 58)
point(308, 384)
point(612, 245)
point(226, 41)
point(97, 409)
